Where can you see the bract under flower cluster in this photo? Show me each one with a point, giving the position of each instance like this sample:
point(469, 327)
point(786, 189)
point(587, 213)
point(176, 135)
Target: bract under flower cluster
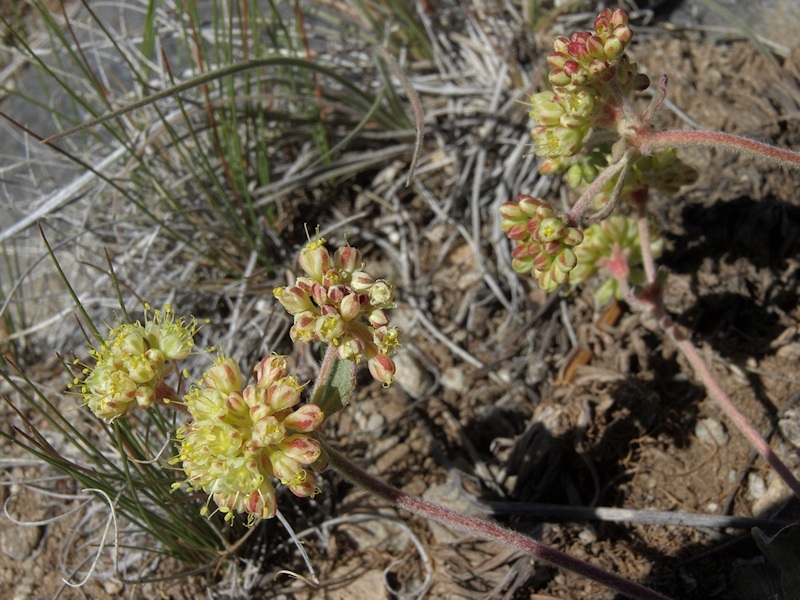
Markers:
point(613, 248)
point(132, 361)
point(238, 440)
point(544, 243)
point(337, 302)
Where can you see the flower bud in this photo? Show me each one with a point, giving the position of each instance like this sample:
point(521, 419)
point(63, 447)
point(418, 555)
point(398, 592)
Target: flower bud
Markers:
point(306, 488)
point(293, 299)
point(224, 376)
point(314, 259)
point(347, 259)
point(307, 418)
point(382, 368)
point(613, 47)
point(269, 369)
point(284, 393)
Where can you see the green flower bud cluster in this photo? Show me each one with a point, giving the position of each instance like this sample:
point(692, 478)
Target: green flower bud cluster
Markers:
point(239, 440)
point(337, 302)
point(563, 121)
point(612, 249)
point(663, 171)
point(132, 361)
point(544, 244)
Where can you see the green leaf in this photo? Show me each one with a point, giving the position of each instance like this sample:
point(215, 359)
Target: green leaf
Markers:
point(335, 384)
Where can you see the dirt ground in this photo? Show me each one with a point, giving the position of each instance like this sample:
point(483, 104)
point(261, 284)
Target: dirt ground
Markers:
point(536, 419)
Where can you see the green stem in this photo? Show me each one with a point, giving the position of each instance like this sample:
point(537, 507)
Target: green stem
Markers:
point(647, 142)
point(484, 529)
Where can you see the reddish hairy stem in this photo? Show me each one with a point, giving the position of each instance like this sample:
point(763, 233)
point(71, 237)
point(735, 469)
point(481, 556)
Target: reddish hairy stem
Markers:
point(576, 214)
point(721, 398)
point(647, 141)
point(654, 306)
point(484, 529)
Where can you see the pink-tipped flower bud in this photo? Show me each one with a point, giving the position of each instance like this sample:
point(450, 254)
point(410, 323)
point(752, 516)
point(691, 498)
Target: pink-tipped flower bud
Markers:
point(560, 45)
point(361, 281)
point(559, 78)
point(556, 60)
point(314, 259)
point(307, 418)
point(224, 376)
point(613, 47)
point(284, 393)
point(619, 17)
point(594, 46)
point(566, 260)
point(382, 368)
point(347, 259)
point(269, 369)
point(304, 328)
point(352, 306)
point(293, 299)
point(306, 488)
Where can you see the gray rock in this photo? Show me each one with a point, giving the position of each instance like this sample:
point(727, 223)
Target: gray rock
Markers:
point(20, 542)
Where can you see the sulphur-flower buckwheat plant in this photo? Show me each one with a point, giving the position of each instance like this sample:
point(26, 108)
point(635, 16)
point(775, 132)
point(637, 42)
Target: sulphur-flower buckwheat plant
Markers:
point(241, 439)
point(238, 439)
point(132, 361)
point(337, 302)
point(588, 125)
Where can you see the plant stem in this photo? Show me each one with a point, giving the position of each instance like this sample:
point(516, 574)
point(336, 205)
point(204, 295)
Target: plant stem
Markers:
point(576, 214)
point(484, 529)
point(644, 241)
point(723, 400)
point(652, 304)
point(647, 141)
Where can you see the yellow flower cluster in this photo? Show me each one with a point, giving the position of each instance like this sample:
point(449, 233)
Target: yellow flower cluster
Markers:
point(337, 302)
point(239, 440)
point(132, 361)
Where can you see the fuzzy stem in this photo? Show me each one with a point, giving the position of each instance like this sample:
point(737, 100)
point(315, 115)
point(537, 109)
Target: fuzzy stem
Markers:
point(723, 400)
point(647, 142)
point(576, 214)
point(644, 241)
point(652, 304)
point(484, 529)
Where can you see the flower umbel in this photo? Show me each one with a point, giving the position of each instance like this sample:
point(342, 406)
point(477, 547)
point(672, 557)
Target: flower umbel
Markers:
point(337, 302)
point(132, 361)
point(613, 249)
point(544, 242)
point(239, 440)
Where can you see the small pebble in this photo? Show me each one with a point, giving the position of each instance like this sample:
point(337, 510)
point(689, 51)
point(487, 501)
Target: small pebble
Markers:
point(454, 379)
point(710, 431)
point(789, 426)
point(775, 495)
point(20, 542)
point(411, 377)
point(755, 486)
